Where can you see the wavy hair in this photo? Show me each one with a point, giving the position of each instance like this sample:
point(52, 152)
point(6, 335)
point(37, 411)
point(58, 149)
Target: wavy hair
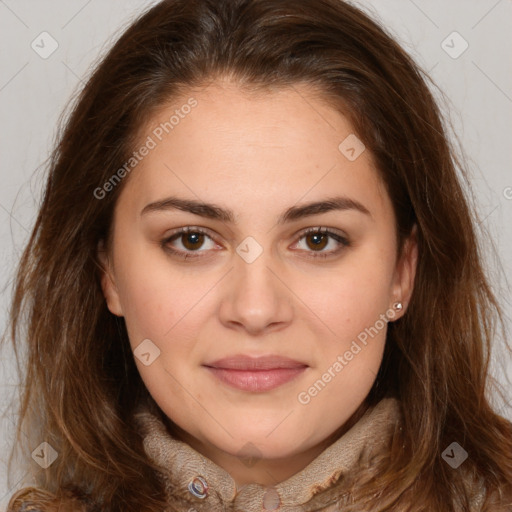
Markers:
point(80, 382)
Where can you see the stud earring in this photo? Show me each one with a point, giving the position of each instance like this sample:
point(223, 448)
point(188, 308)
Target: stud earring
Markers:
point(397, 306)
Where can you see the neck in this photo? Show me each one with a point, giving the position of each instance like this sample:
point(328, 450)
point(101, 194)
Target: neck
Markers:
point(267, 472)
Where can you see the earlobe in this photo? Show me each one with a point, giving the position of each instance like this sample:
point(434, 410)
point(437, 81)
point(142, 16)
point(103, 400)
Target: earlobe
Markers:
point(108, 284)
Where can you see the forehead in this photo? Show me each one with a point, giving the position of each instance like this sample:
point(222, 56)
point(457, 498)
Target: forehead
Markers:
point(267, 148)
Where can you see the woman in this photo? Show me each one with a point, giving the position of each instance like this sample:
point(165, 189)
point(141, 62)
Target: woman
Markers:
point(254, 282)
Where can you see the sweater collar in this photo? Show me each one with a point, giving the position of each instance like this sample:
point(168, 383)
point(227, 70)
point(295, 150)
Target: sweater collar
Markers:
point(195, 481)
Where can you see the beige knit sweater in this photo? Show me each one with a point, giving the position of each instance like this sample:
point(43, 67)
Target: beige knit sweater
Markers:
point(194, 483)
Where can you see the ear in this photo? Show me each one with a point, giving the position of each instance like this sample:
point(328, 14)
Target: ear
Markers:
point(108, 284)
point(405, 271)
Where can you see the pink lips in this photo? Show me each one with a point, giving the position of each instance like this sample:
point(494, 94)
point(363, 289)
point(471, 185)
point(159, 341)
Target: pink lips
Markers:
point(256, 374)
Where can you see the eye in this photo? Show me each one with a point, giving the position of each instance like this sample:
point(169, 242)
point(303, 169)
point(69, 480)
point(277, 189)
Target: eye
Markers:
point(191, 239)
point(317, 239)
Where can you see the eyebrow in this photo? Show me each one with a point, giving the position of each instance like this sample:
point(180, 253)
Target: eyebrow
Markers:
point(215, 212)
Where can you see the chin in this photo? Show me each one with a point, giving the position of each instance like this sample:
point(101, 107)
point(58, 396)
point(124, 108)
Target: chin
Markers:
point(274, 446)
point(262, 448)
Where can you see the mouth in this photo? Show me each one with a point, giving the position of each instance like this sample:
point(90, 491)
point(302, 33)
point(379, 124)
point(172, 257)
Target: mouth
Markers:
point(258, 374)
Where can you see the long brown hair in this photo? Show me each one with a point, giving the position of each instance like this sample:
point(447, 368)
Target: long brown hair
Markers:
point(81, 384)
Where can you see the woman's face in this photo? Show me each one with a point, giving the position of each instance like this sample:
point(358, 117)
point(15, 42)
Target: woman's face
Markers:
point(252, 174)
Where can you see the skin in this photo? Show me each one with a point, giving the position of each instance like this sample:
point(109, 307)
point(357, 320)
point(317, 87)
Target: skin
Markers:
point(257, 156)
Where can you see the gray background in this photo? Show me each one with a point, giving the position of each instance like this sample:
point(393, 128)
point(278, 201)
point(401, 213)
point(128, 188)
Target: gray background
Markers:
point(33, 92)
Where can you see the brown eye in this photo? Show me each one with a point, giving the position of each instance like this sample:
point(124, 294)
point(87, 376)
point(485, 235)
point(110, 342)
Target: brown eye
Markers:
point(188, 242)
point(317, 241)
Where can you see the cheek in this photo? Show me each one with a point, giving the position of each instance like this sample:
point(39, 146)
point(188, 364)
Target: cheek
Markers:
point(352, 298)
point(155, 298)
point(350, 353)
point(164, 306)
point(350, 307)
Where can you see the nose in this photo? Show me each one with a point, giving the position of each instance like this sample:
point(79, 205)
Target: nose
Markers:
point(255, 299)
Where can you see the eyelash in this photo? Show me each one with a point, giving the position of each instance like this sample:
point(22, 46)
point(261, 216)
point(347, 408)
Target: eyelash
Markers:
point(191, 229)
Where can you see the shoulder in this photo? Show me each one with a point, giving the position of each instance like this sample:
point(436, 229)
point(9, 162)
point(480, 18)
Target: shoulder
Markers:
point(34, 499)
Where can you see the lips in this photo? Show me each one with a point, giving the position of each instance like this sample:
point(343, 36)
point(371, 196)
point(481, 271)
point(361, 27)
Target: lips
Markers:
point(243, 362)
point(256, 374)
